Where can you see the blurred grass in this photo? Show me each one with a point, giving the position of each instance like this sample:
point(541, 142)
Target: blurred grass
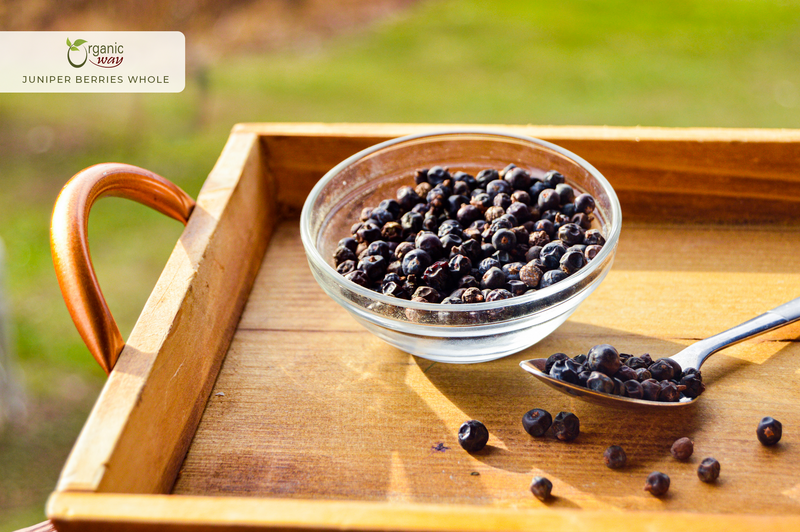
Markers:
point(680, 63)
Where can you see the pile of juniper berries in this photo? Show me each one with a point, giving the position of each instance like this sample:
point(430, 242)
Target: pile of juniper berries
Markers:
point(457, 238)
point(604, 369)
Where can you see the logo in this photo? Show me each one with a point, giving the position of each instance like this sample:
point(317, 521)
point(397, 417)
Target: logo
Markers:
point(73, 47)
point(101, 55)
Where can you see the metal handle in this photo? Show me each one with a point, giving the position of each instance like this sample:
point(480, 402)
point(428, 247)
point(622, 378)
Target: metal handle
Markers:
point(697, 353)
point(70, 248)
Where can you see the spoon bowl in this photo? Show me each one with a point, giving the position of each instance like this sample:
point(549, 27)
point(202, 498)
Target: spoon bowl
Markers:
point(692, 357)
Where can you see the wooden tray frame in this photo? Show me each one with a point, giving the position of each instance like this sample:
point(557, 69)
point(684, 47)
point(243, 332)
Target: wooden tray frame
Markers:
point(129, 452)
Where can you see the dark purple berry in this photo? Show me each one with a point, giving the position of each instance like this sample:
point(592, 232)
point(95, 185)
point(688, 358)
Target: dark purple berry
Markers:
point(682, 449)
point(572, 261)
point(374, 266)
point(502, 200)
point(368, 232)
point(504, 239)
point(565, 370)
point(342, 254)
point(459, 266)
point(498, 186)
point(411, 222)
point(485, 177)
point(625, 373)
point(566, 193)
point(429, 243)
point(521, 196)
point(552, 277)
point(546, 226)
point(468, 281)
point(541, 488)
point(493, 278)
point(570, 234)
point(651, 390)
point(633, 389)
point(552, 359)
point(497, 294)
point(473, 435)
point(518, 178)
point(769, 431)
point(437, 275)
point(584, 203)
point(708, 470)
point(520, 211)
point(669, 392)
point(566, 426)
point(358, 277)
point(600, 382)
point(416, 261)
point(517, 288)
point(486, 264)
point(552, 179)
point(657, 484)
point(615, 457)
point(437, 175)
point(349, 242)
point(379, 247)
point(593, 237)
point(694, 386)
point(548, 199)
point(537, 421)
point(662, 370)
point(346, 267)
point(604, 358)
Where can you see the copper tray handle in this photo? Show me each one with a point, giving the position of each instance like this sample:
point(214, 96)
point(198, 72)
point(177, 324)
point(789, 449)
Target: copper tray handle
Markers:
point(70, 248)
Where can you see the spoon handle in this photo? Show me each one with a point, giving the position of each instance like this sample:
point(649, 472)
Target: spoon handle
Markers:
point(694, 355)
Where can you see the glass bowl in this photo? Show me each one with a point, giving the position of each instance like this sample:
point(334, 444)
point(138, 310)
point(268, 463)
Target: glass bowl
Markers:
point(464, 333)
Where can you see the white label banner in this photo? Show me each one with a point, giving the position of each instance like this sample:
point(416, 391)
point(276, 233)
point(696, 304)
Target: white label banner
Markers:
point(92, 61)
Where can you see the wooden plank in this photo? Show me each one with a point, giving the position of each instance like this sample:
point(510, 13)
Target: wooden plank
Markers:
point(360, 420)
point(134, 513)
point(694, 174)
point(141, 426)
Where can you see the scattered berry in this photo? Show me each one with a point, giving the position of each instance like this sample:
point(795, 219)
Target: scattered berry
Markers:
point(615, 457)
point(537, 421)
point(541, 488)
point(657, 484)
point(682, 449)
point(473, 435)
point(708, 470)
point(769, 431)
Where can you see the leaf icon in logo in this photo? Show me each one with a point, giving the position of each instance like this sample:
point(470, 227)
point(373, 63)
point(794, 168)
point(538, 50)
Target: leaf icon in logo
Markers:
point(73, 47)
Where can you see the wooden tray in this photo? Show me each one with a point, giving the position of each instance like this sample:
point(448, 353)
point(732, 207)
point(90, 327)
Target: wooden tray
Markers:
point(245, 399)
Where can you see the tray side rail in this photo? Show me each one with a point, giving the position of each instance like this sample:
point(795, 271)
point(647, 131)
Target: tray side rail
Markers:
point(142, 424)
point(683, 175)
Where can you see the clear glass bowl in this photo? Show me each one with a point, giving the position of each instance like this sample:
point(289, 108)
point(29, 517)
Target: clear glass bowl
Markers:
point(465, 333)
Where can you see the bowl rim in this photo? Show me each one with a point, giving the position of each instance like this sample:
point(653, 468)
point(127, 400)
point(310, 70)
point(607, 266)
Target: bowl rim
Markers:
point(540, 295)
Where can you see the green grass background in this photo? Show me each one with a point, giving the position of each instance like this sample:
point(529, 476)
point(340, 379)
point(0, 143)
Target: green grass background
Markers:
point(710, 63)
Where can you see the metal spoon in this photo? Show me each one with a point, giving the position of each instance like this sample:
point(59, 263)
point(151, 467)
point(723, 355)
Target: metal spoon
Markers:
point(691, 357)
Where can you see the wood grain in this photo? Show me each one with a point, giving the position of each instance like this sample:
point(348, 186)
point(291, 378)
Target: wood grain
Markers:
point(360, 420)
point(90, 512)
point(679, 175)
point(140, 428)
